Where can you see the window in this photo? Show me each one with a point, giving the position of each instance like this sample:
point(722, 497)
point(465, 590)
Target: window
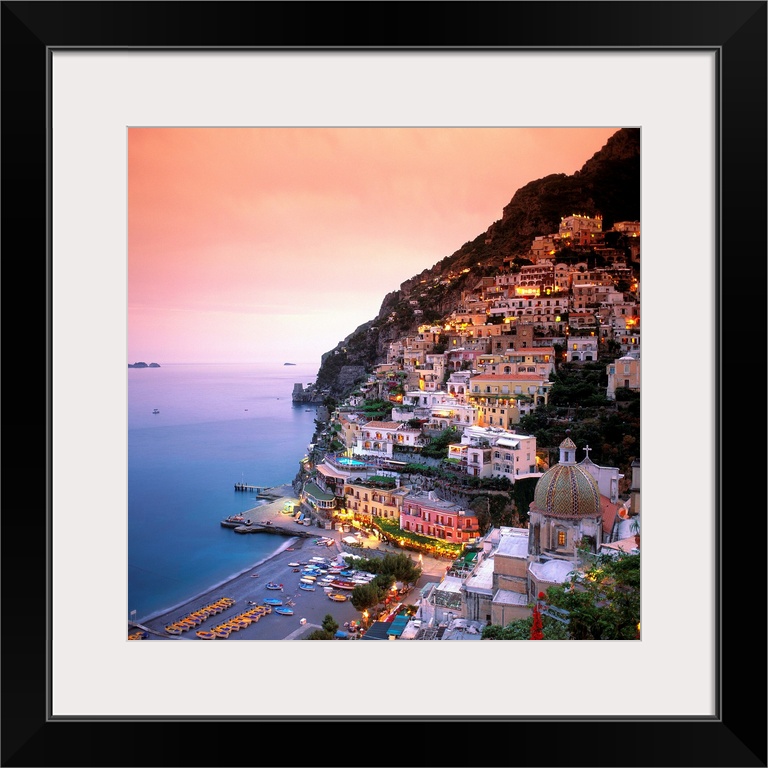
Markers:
point(561, 538)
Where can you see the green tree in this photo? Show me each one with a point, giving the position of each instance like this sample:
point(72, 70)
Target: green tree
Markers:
point(522, 492)
point(319, 634)
point(367, 596)
point(398, 566)
point(604, 600)
point(521, 630)
point(330, 624)
point(438, 446)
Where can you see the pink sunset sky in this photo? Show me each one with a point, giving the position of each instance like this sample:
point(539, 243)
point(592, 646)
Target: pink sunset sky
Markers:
point(273, 244)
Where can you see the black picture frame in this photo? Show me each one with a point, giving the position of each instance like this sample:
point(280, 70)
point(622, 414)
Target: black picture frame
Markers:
point(735, 30)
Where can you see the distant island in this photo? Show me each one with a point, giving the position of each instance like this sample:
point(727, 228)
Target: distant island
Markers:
point(143, 365)
point(289, 363)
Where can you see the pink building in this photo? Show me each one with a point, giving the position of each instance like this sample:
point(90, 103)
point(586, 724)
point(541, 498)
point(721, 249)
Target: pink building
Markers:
point(427, 515)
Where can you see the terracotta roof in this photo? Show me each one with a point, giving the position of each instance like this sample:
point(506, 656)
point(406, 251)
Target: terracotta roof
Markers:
point(530, 351)
point(384, 424)
point(509, 377)
point(610, 511)
point(623, 545)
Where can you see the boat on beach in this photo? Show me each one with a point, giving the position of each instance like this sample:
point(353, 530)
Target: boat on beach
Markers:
point(307, 587)
point(272, 601)
point(233, 521)
point(336, 597)
point(284, 611)
point(272, 585)
point(343, 584)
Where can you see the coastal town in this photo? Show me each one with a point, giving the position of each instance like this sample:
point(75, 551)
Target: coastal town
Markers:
point(451, 482)
point(468, 384)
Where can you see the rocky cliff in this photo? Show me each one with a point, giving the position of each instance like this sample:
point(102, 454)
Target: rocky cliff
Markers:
point(607, 184)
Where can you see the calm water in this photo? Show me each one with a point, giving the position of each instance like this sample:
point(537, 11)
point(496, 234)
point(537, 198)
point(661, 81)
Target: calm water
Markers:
point(217, 425)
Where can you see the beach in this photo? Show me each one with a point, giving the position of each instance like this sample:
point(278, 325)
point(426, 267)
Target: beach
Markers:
point(310, 607)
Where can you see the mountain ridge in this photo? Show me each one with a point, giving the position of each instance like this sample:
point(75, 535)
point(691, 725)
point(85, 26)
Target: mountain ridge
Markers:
point(608, 184)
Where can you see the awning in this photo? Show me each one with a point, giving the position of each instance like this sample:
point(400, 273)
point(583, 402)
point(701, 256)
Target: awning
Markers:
point(398, 625)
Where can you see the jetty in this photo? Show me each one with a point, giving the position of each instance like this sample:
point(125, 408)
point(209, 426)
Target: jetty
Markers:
point(246, 487)
point(261, 491)
point(271, 528)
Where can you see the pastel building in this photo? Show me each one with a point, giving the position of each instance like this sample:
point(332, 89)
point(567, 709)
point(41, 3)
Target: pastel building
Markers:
point(496, 591)
point(452, 414)
point(572, 508)
point(623, 373)
point(428, 515)
point(379, 438)
point(502, 398)
point(538, 360)
point(369, 500)
point(575, 506)
point(581, 230)
point(489, 452)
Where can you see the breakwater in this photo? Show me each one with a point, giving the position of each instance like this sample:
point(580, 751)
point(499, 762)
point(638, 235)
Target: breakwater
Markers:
point(271, 528)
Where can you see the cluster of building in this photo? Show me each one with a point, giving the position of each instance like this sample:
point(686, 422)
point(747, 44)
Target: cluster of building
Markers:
point(575, 509)
point(483, 367)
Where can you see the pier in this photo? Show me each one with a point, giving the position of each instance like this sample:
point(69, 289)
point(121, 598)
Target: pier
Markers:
point(276, 529)
point(246, 487)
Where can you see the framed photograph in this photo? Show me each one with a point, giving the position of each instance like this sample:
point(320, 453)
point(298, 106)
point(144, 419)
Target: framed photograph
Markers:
point(78, 76)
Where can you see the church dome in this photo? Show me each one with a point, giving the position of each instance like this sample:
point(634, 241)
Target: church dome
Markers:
point(567, 489)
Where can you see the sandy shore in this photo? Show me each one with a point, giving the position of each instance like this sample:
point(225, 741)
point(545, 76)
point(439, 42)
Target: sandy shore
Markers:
point(249, 586)
point(311, 606)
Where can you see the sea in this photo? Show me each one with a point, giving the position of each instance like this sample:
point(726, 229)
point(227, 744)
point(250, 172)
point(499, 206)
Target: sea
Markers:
point(217, 425)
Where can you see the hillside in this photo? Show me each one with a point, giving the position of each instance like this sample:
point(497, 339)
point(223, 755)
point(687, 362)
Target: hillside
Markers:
point(607, 184)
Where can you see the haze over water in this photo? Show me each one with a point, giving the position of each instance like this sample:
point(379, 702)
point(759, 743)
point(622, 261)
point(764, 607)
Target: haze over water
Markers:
point(218, 425)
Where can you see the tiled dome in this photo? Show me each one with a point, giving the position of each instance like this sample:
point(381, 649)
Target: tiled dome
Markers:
point(567, 489)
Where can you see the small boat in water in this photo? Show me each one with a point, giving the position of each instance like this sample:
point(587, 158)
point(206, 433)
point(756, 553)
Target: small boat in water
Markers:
point(284, 611)
point(156, 411)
